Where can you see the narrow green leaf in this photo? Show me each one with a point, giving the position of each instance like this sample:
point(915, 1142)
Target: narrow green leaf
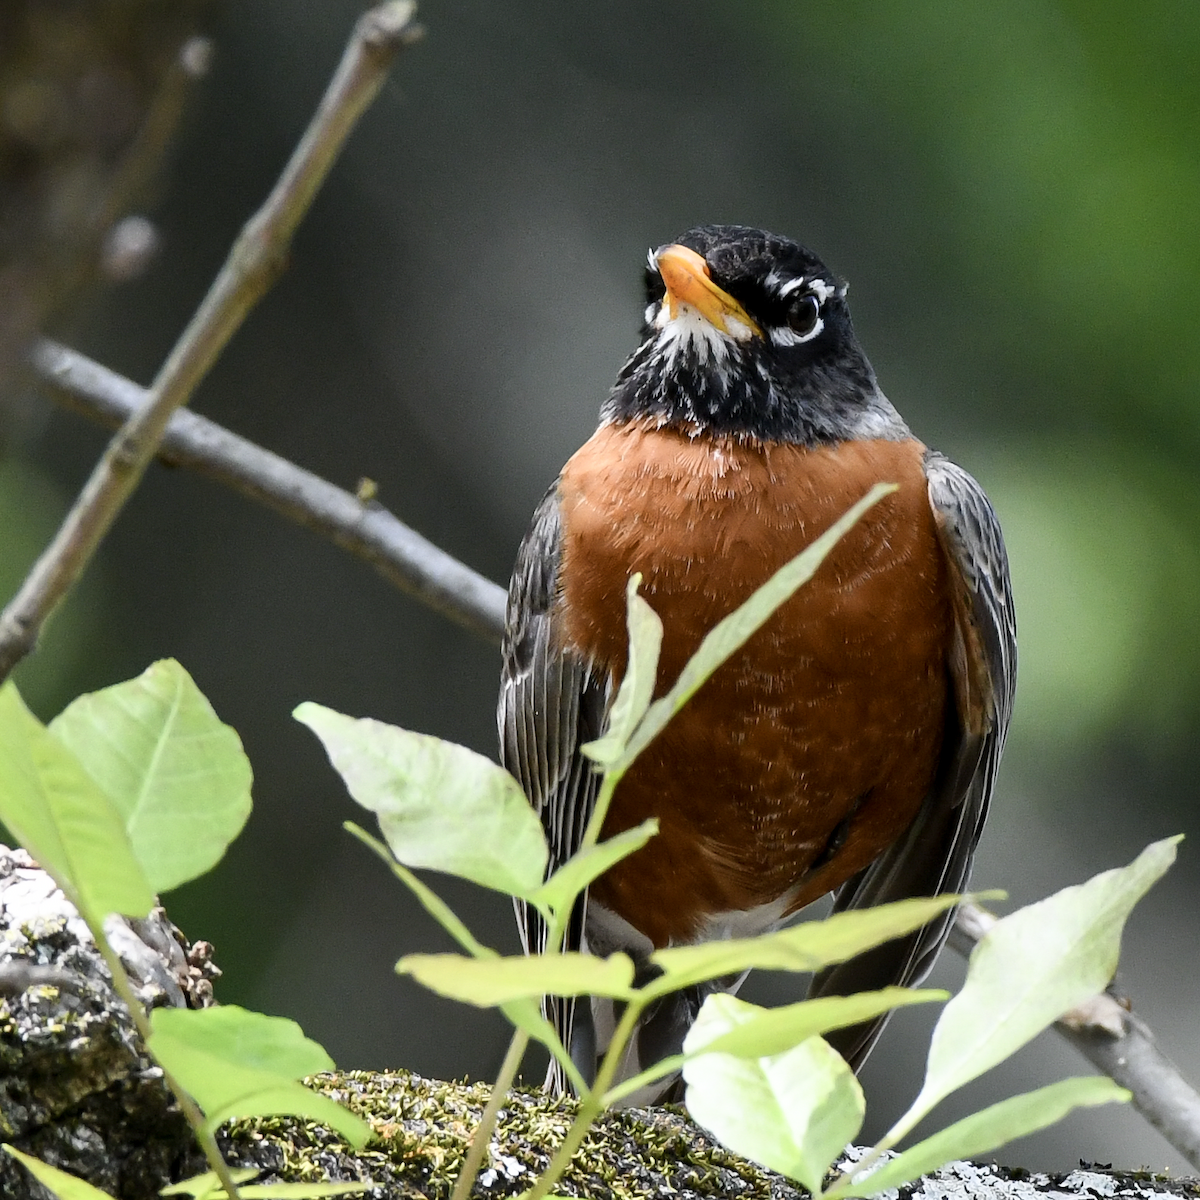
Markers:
point(440, 806)
point(55, 810)
point(489, 982)
point(809, 946)
point(302, 1191)
point(177, 775)
point(526, 1014)
point(793, 1112)
point(236, 1063)
point(728, 1025)
point(64, 1186)
point(208, 1187)
point(728, 636)
point(1029, 969)
point(202, 1187)
point(560, 890)
point(430, 901)
point(637, 686)
point(985, 1131)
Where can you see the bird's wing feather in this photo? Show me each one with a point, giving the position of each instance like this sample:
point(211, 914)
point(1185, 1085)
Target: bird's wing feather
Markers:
point(550, 704)
point(934, 856)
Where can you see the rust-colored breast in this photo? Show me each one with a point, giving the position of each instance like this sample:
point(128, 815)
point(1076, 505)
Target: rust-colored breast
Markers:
point(831, 716)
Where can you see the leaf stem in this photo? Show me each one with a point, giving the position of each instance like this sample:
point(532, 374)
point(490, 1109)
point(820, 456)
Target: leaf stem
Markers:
point(591, 835)
point(487, 1123)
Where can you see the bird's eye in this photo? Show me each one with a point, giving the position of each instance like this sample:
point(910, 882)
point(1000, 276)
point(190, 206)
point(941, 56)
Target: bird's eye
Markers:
point(804, 315)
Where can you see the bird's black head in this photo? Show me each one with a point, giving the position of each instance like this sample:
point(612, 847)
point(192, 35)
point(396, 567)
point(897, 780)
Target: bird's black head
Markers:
point(748, 333)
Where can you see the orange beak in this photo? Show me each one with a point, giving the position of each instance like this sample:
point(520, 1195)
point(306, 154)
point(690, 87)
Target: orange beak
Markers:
point(689, 283)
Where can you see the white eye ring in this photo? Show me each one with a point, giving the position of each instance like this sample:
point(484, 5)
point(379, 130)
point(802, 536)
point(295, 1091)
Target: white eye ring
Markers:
point(804, 323)
point(781, 335)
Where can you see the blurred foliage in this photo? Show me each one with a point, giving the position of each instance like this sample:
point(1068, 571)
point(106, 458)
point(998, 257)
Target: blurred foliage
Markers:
point(1058, 247)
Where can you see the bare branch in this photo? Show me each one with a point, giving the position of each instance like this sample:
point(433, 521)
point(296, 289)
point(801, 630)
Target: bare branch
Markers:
point(252, 266)
point(367, 529)
point(1119, 1043)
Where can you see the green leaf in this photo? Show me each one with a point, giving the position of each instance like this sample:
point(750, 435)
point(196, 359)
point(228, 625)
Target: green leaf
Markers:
point(560, 890)
point(250, 1039)
point(728, 636)
point(637, 686)
point(206, 1186)
point(728, 1025)
point(236, 1063)
point(301, 1191)
point(55, 810)
point(488, 982)
point(986, 1131)
point(175, 773)
point(64, 1186)
point(793, 1112)
point(526, 1014)
point(1029, 969)
point(430, 901)
point(440, 806)
point(809, 946)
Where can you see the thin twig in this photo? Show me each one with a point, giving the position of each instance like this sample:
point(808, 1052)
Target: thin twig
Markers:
point(1119, 1043)
point(366, 529)
point(256, 259)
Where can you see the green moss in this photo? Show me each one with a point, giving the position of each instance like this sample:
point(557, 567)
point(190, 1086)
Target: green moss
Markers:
point(423, 1128)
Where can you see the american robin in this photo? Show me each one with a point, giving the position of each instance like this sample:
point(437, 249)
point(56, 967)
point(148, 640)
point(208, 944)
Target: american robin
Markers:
point(852, 744)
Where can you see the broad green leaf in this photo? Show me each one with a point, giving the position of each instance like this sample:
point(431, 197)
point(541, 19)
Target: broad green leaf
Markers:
point(55, 810)
point(728, 636)
point(792, 1112)
point(809, 946)
point(246, 1064)
point(985, 1131)
point(62, 1185)
point(728, 1025)
point(247, 1038)
point(440, 806)
point(488, 982)
point(1029, 969)
point(637, 686)
point(176, 774)
point(582, 868)
point(208, 1186)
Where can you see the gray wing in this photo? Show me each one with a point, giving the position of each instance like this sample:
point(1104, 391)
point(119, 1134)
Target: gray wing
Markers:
point(550, 704)
point(935, 854)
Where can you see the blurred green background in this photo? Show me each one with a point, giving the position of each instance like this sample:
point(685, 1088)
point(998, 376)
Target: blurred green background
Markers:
point(1013, 191)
